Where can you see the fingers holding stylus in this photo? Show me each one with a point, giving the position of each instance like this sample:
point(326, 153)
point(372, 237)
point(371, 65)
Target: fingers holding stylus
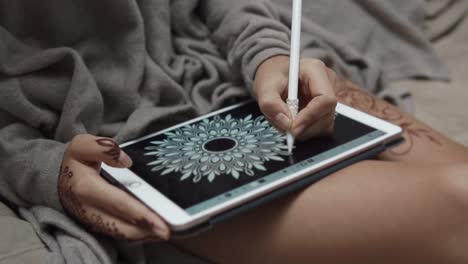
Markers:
point(316, 93)
point(271, 91)
point(277, 78)
point(317, 99)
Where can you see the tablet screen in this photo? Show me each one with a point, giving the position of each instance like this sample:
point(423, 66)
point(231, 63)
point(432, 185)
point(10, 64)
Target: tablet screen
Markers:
point(205, 163)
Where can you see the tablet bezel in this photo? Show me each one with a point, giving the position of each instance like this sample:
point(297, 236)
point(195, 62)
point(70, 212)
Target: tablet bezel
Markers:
point(180, 220)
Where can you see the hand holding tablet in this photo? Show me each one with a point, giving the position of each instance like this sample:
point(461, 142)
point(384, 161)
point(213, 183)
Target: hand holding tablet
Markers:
point(94, 202)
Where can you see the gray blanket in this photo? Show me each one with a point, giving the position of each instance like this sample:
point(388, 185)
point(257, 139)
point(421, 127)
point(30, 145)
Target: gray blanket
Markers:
point(122, 68)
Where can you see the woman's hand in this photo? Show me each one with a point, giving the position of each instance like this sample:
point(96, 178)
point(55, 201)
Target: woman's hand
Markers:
point(98, 204)
point(317, 99)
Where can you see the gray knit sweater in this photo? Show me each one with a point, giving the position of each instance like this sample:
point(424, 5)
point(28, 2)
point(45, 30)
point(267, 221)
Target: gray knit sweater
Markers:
point(122, 68)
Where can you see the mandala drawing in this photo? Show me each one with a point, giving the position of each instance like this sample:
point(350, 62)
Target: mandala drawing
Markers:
point(218, 146)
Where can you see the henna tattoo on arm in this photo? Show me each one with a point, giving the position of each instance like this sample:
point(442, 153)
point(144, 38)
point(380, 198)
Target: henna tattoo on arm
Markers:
point(114, 149)
point(349, 94)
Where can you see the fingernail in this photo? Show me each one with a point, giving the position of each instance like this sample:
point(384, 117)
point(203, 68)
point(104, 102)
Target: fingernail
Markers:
point(125, 160)
point(283, 121)
point(298, 131)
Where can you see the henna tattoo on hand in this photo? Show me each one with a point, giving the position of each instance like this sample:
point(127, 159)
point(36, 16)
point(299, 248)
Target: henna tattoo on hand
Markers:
point(114, 149)
point(68, 199)
point(95, 221)
point(73, 205)
point(147, 225)
point(143, 223)
point(351, 95)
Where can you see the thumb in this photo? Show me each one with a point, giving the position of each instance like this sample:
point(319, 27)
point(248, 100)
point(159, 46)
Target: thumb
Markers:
point(276, 111)
point(272, 105)
point(270, 86)
point(89, 148)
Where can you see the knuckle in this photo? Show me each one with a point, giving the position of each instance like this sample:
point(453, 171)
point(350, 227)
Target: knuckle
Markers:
point(74, 142)
point(81, 188)
point(316, 63)
point(306, 135)
point(307, 118)
point(319, 128)
point(307, 121)
point(332, 73)
point(266, 104)
point(135, 234)
point(76, 138)
point(79, 139)
point(329, 101)
point(122, 207)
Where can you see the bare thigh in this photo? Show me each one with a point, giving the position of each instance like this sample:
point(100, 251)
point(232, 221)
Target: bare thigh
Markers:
point(390, 214)
point(408, 206)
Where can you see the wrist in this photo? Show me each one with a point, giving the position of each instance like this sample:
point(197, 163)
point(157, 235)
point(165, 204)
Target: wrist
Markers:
point(274, 62)
point(275, 67)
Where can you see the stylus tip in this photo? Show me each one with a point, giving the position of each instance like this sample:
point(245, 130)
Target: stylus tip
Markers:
point(289, 142)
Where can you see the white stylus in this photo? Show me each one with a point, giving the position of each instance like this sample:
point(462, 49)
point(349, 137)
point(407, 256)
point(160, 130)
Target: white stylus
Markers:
point(294, 56)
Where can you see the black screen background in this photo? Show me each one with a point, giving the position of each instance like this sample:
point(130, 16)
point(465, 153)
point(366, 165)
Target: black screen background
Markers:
point(187, 193)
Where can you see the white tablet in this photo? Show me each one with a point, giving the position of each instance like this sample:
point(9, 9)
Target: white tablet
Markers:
point(202, 168)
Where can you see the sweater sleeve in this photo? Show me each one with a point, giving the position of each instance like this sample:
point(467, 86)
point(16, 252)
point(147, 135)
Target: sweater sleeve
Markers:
point(29, 162)
point(29, 165)
point(32, 92)
point(247, 33)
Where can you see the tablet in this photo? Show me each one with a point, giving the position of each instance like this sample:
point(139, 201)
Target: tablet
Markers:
point(197, 170)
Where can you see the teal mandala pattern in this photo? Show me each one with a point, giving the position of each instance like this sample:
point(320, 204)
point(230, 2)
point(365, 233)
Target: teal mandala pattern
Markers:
point(218, 146)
